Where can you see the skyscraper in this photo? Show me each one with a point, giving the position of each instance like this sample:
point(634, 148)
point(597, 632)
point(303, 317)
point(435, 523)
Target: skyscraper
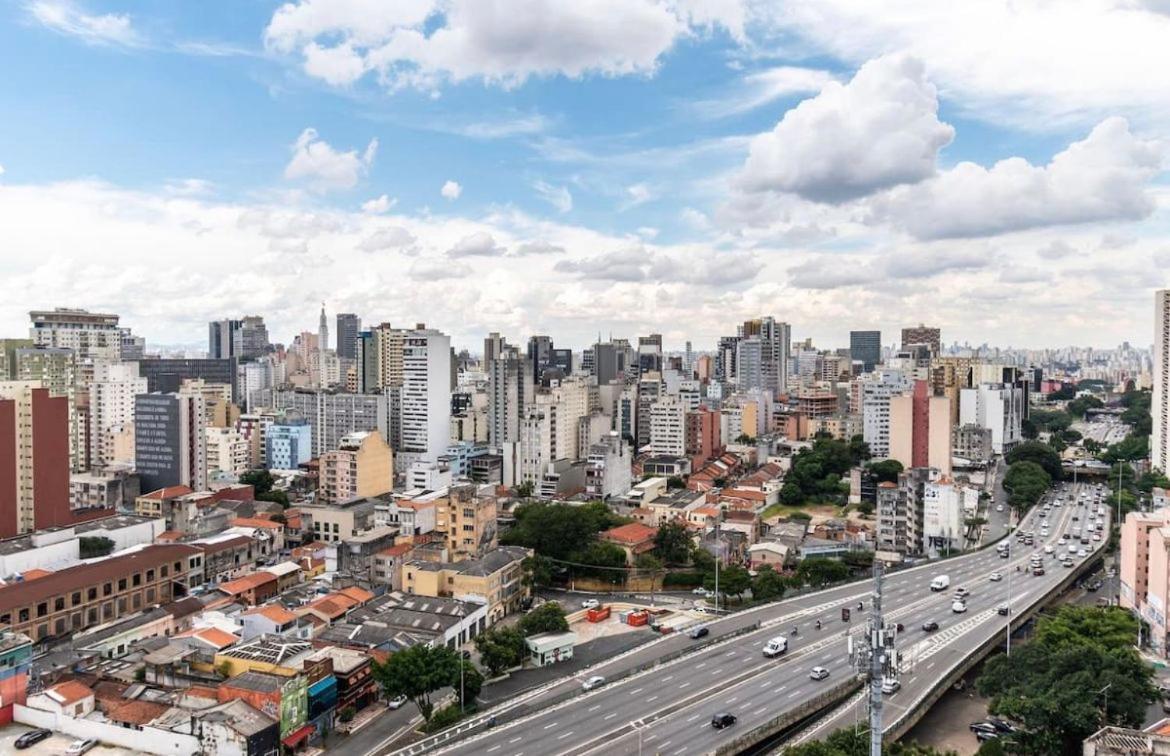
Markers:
point(323, 331)
point(510, 390)
point(865, 347)
point(111, 412)
point(246, 339)
point(169, 442)
point(426, 395)
point(1160, 403)
point(539, 352)
point(775, 346)
point(221, 337)
point(493, 346)
point(348, 327)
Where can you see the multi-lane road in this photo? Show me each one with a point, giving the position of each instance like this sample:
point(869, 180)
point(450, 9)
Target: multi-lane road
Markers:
point(668, 709)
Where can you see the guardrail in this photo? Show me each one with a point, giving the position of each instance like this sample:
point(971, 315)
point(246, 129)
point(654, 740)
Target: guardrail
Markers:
point(779, 723)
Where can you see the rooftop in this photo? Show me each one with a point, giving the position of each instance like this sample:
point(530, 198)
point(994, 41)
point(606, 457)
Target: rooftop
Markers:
point(270, 649)
point(274, 613)
point(630, 533)
point(68, 692)
point(258, 682)
point(247, 582)
point(169, 492)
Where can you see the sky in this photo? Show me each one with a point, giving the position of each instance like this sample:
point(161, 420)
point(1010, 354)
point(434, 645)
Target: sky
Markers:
point(584, 167)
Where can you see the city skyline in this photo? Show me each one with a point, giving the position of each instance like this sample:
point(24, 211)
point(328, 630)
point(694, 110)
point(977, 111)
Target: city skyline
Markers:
point(628, 178)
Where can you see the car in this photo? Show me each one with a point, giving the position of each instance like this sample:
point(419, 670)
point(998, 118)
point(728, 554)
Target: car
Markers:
point(1096, 536)
point(818, 673)
point(700, 591)
point(722, 719)
point(1080, 552)
point(1076, 518)
point(1094, 586)
point(397, 702)
point(1068, 562)
point(1063, 540)
point(962, 592)
point(32, 737)
point(982, 736)
point(1002, 725)
point(996, 577)
point(593, 682)
point(890, 686)
point(1048, 548)
point(1003, 610)
point(929, 626)
point(78, 747)
point(1044, 533)
point(702, 631)
point(1037, 570)
point(999, 507)
point(958, 607)
point(590, 604)
point(978, 727)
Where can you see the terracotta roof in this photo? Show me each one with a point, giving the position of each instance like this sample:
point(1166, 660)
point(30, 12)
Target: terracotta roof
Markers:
point(35, 573)
point(170, 535)
point(136, 712)
point(202, 691)
point(256, 522)
point(247, 582)
point(397, 550)
point(275, 613)
point(15, 595)
point(632, 533)
point(68, 692)
point(361, 595)
point(212, 636)
point(167, 493)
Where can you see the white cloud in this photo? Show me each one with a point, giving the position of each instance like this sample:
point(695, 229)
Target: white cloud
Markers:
point(557, 196)
point(380, 204)
point(323, 167)
point(1038, 65)
point(66, 17)
point(639, 263)
point(433, 269)
point(501, 129)
point(478, 244)
point(391, 237)
point(879, 130)
point(538, 247)
point(761, 88)
point(1, 170)
point(1104, 177)
point(1055, 250)
point(451, 190)
point(637, 194)
point(190, 187)
point(428, 42)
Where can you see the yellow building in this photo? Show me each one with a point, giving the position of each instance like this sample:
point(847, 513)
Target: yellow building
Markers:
point(272, 654)
point(496, 577)
point(467, 517)
point(363, 465)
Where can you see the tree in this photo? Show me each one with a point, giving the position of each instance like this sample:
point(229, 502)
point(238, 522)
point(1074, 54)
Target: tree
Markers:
point(469, 684)
point(417, 672)
point(278, 497)
point(673, 543)
point(560, 531)
point(768, 585)
point(1052, 685)
point(858, 450)
point(537, 571)
point(1041, 454)
point(886, 471)
point(1079, 406)
point(702, 559)
point(733, 581)
point(94, 546)
point(1025, 483)
point(500, 649)
point(261, 481)
point(819, 572)
point(524, 490)
point(854, 741)
point(549, 617)
point(675, 483)
point(744, 438)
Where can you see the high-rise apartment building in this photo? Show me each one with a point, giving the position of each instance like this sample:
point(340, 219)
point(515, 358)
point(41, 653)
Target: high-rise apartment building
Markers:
point(1160, 401)
point(877, 388)
point(227, 451)
point(1000, 407)
point(349, 326)
point(865, 347)
point(111, 410)
point(920, 429)
point(56, 369)
point(668, 426)
point(90, 335)
point(169, 444)
point(493, 346)
point(333, 415)
point(34, 458)
point(362, 465)
point(931, 337)
point(775, 340)
point(388, 346)
point(425, 406)
point(288, 444)
point(510, 390)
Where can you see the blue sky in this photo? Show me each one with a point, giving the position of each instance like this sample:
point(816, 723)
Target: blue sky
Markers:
point(662, 134)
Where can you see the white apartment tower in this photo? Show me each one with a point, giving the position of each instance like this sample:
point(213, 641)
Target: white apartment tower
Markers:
point(877, 388)
point(425, 406)
point(510, 390)
point(111, 411)
point(1160, 404)
point(668, 426)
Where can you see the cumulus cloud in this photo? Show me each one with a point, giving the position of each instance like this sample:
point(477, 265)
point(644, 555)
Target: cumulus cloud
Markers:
point(430, 269)
point(828, 272)
point(538, 247)
point(391, 237)
point(451, 190)
point(879, 130)
point(557, 196)
point(1104, 177)
point(477, 244)
point(381, 204)
point(637, 194)
point(429, 42)
point(1056, 249)
point(762, 88)
point(323, 167)
point(67, 18)
point(641, 264)
point(191, 187)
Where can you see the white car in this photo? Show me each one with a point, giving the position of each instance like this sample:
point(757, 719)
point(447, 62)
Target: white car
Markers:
point(1044, 533)
point(700, 591)
point(958, 607)
point(593, 682)
point(1048, 548)
point(998, 508)
point(78, 747)
point(1096, 536)
point(1080, 552)
point(1063, 540)
point(890, 686)
point(590, 604)
point(996, 577)
point(396, 702)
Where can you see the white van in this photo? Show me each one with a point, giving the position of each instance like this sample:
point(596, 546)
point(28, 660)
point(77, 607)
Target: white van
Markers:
point(775, 647)
point(940, 583)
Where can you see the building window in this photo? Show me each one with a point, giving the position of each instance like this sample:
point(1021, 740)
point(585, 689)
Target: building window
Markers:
point(137, 579)
point(137, 601)
point(164, 570)
point(150, 576)
point(107, 589)
point(59, 604)
point(92, 614)
point(76, 600)
point(42, 609)
point(122, 584)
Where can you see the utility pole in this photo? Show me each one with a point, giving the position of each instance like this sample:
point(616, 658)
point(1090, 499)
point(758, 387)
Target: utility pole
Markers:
point(718, 554)
point(877, 657)
point(1008, 630)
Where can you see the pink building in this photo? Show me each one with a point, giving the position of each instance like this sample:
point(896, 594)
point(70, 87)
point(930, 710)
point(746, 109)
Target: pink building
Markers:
point(1145, 570)
point(920, 429)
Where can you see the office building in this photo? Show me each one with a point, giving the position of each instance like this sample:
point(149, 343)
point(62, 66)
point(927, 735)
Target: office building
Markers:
point(34, 458)
point(865, 347)
point(333, 415)
point(288, 443)
point(999, 407)
point(91, 336)
point(774, 346)
point(510, 390)
point(362, 465)
point(493, 347)
point(920, 429)
point(605, 363)
point(164, 375)
point(539, 353)
point(111, 412)
point(348, 327)
point(1160, 401)
point(923, 335)
point(169, 444)
point(221, 336)
point(425, 407)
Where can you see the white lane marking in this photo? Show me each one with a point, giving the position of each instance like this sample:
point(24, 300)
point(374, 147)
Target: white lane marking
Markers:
point(636, 692)
point(692, 719)
point(594, 708)
point(651, 698)
point(684, 685)
point(700, 666)
point(515, 740)
point(668, 678)
point(760, 710)
point(793, 693)
point(495, 748)
point(567, 734)
point(733, 699)
point(611, 716)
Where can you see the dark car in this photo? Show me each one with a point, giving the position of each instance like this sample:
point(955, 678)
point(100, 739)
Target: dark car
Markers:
point(700, 632)
point(985, 727)
point(1003, 610)
point(32, 737)
point(723, 719)
point(1093, 586)
point(982, 736)
point(929, 626)
point(1002, 725)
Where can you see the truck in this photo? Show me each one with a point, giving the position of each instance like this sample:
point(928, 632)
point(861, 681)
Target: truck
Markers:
point(775, 647)
point(940, 583)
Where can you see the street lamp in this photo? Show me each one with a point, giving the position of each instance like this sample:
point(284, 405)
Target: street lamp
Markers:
point(1105, 712)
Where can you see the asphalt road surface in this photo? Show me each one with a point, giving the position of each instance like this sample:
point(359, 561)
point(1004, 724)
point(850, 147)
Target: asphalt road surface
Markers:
point(668, 709)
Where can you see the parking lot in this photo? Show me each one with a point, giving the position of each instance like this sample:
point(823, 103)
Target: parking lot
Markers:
point(56, 745)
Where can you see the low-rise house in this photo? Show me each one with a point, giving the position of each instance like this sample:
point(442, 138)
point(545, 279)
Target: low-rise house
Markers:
point(388, 565)
point(251, 589)
point(285, 698)
point(354, 672)
point(257, 526)
point(228, 556)
point(633, 538)
point(270, 654)
point(274, 619)
point(232, 728)
point(287, 575)
point(113, 639)
point(774, 554)
point(69, 698)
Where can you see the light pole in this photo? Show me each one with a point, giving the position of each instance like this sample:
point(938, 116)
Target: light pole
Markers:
point(718, 552)
point(1008, 629)
point(1105, 712)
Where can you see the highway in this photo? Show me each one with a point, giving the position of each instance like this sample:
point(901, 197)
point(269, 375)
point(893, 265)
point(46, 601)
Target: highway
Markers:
point(668, 709)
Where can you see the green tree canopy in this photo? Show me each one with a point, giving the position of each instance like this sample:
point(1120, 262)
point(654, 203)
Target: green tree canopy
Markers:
point(819, 571)
point(1025, 483)
point(261, 481)
point(733, 581)
point(417, 673)
point(886, 471)
point(1041, 454)
point(559, 531)
point(469, 684)
point(768, 585)
point(854, 741)
point(94, 546)
point(500, 649)
point(1079, 406)
point(549, 617)
point(673, 543)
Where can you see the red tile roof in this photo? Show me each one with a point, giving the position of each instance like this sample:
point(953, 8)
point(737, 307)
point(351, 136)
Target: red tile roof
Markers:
point(169, 492)
point(256, 522)
point(212, 636)
point(35, 573)
point(277, 614)
point(69, 692)
point(397, 550)
point(247, 582)
point(631, 533)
